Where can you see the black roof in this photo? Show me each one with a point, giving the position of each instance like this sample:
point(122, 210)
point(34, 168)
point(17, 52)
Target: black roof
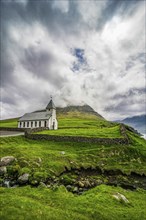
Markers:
point(51, 105)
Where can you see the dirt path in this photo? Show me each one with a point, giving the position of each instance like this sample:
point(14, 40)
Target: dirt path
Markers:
point(10, 133)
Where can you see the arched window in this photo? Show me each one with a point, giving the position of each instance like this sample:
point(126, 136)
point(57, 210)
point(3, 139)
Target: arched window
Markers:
point(39, 123)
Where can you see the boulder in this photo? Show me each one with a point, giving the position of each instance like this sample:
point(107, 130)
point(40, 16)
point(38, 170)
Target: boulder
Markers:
point(69, 187)
point(75, 190)
point(5, 161)
point(121, 198)
point(3, 170)
point(87, 183)
point(23, 179)
point(81, 184)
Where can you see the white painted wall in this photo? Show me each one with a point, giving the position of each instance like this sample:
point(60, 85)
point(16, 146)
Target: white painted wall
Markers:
point(36, 124)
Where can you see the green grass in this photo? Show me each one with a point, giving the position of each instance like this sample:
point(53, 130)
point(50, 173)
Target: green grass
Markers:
point(127, 158)
point(27, 203)
point(9, 123)
point(105, 132)
point(59, 204)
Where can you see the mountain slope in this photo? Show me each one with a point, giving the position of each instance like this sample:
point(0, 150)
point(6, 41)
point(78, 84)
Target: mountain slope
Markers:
point(85, 110)
point(137, 122)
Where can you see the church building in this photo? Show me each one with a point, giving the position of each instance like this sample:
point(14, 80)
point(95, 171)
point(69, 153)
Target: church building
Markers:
point(43, 118)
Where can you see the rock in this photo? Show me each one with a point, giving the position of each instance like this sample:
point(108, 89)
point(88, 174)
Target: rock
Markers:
point(87, 183)
point(23, 179)
point(80, 189)
point(42, 185)
point(5, 161)
point(75, 190)
point(6, 183)
point(13, 183)
point(120, 198)
point(69, 187)
point(81, 184)
point(3, 170)
point(62, 152)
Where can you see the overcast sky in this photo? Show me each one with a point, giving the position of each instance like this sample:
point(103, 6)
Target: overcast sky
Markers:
point(80, 52)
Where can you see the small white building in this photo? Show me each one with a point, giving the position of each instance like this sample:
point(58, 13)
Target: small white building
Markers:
point(43, 118)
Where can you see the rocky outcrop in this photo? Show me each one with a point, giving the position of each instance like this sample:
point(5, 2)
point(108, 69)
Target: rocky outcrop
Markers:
point(23, 179)
point(5, 161)
point(3, 170)
point(118, 196)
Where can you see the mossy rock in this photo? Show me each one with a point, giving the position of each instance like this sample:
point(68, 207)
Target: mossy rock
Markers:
point(68, 179)
point(13, 170)
point(38, 177)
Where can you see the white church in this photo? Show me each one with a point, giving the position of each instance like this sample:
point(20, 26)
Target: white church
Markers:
point(43, 118)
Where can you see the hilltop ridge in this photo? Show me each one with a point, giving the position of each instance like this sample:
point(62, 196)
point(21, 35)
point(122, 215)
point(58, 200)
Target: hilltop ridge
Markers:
point(75, 110)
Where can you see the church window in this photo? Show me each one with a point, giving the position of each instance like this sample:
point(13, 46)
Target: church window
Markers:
point(35, 123)
point(39, 123)
point(31, 123)
point(20, 124)
point(28, 124)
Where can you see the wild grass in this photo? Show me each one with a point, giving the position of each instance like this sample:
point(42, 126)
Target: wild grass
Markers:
point(104, 132)
point(49, 158)
point(58, 204)
point(9, 123)
point(127, 158)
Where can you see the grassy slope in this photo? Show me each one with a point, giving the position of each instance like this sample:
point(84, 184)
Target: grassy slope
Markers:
point(38, 203)
point(9, 123)
point(127, 158)
point(98, 203)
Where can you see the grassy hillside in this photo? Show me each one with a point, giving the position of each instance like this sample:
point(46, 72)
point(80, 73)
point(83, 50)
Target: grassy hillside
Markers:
point(12, 123)
point(58, 204)
point(59, 172)
point(87, 126)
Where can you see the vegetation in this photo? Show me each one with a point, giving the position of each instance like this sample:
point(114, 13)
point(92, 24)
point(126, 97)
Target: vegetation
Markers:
point(86, 132)
point(9, 123)
point(59, 204)
point(126, 158)
point(48, 161)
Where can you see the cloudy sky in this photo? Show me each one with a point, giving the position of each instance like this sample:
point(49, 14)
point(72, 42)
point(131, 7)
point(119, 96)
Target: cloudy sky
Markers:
point(80, 52)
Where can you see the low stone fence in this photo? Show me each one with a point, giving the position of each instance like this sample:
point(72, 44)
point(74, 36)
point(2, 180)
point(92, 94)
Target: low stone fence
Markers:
point(124, 140)
point(29, 133)
point(76, 139)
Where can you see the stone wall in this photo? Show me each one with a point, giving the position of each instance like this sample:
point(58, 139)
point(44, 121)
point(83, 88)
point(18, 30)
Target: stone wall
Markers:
point(124, 140)
point(76, 139)
point(29, 133)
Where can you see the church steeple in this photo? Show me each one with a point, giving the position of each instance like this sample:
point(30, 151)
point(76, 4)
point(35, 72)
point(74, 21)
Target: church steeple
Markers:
point(51, 105)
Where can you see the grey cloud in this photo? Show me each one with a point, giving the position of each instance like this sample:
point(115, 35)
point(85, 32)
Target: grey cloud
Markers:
point(32, 70)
